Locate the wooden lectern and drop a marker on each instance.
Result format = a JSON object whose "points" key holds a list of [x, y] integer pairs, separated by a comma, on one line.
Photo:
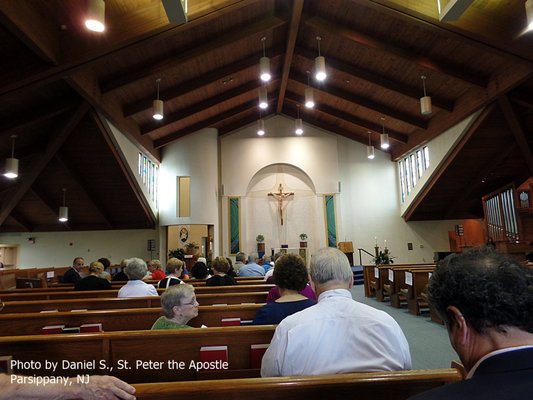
{"points": [[347, 248]]}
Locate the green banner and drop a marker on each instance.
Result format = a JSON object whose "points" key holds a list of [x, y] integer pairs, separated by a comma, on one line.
{"points": [[331, 226], [234, 225]]}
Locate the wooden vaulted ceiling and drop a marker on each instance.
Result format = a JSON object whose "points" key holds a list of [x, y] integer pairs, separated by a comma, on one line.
{"points": [[58, 81]]}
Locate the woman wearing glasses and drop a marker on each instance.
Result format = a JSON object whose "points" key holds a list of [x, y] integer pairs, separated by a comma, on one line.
{"points": [[179, 306]]}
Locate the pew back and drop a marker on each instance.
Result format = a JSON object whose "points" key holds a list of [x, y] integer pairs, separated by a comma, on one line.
{"points": [[397, 385]]}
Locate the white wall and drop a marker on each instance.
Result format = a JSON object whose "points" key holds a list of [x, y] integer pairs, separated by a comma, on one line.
{"points": [[60, 248]]}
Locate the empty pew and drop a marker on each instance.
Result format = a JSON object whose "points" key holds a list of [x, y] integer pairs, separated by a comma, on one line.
{"points": [[416, 280], [117, 320], [397, 385], [138, 356], [395, 282], [44, 294], [205, 299]]}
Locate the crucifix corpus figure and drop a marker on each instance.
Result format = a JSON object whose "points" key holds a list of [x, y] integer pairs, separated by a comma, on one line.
{"points": [[279, 196]]}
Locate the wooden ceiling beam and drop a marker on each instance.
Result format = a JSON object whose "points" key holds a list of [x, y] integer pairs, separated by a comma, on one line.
{"points": [[517, 130], [126, 170], [372, 77], [208, 123], [247, 120], [20, 220], [200, 107], [27, 24], [26, 181], [364, 102], [363, 124], [322, 25], [294, 25], [89, 195], [185, 88], [154, 70]]}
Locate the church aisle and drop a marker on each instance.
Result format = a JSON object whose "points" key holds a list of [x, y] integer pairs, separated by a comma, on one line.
{"points": [[428, 341]]}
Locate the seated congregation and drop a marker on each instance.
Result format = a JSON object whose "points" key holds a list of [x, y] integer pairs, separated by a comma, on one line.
{"points": [[489, 326]]}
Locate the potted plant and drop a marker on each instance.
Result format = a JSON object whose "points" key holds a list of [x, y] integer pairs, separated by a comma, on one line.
{"points": [[176, 253], [384, 257], [192, 247], [303, 240], [260, 239]]}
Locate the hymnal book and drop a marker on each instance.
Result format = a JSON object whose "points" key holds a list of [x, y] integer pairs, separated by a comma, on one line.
{"points": [[47, 311], [71, 329], [256, 354], [81, 309], [51, 329], [214, 353], [91, 328], [230, 322], [246, 322]]}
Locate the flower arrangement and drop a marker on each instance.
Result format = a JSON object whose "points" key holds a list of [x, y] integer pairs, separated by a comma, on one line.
{"points": [[176, 253], [192, 245], [384, 257], [303, 237], [260, 238]]}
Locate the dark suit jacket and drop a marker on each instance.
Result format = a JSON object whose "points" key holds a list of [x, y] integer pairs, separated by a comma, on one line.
{"points": [[505, 376], [71, 276]]}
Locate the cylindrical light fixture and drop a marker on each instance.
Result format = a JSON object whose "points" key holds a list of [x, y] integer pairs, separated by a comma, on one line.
{"points": [[529, 14], [63, 210], [425, 102], [264, 64], [309, 95], [158, 104], [298, 123], [384, 138], [95, 19], [320, 64], [261, 127], [263, 97], [12, 163], [370, 149]]}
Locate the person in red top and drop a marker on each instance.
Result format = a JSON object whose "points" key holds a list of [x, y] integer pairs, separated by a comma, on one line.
{"points": [[156, 270]]}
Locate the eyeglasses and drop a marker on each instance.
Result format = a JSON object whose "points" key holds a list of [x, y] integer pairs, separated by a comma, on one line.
{"points": [[192, 303]]}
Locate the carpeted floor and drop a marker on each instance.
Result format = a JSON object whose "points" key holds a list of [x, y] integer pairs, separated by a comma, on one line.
{"points": [[428, 341]]}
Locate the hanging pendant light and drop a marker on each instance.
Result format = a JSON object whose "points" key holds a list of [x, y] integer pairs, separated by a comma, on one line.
{"points": [[425, 102], [158, 104], [384, 138], [529, 14], [264, 64], [320, 64], [298, 123], [12, 163], [370, 149], [95, 19], [263, 98], [63, 210], [309, 95], [260, 127]]}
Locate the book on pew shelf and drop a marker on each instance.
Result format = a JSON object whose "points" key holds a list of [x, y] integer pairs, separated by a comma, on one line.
{"points": [[230, 322], [51, 329], [81, 309], [91, 328], [71, 329], [247, 322], [214, 353], [256, 354], [47, 311]]}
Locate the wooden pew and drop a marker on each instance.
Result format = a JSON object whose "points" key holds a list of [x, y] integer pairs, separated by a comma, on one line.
{"points": [[395, 282], [120, 350], [204, 299], [369, 280], [397, 385], [44, 294], [416, 280], [117, 320], [433, 314]]}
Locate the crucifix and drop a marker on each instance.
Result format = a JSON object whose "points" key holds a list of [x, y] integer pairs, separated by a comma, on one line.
{"points": [[279, 196]]}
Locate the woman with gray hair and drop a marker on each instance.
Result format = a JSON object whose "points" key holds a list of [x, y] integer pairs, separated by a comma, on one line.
{"points": [[179, 306], [135, 270]]}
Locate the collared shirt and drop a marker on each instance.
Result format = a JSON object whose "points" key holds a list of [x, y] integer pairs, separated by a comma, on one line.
{"points": [[337, 335], [252, 269], [137, 288]]}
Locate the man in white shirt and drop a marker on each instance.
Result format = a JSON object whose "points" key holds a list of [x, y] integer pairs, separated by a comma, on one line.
{"points": [[338, 334]]}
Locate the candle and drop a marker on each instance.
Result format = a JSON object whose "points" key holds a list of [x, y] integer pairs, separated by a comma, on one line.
{"points": [[385, 243], [376, 240]]}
